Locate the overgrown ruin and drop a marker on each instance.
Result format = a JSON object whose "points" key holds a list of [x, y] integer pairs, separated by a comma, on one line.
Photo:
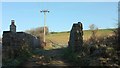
{"points": [[76, 37], [13, 42]]}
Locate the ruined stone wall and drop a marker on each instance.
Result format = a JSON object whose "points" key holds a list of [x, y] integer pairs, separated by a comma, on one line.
{"points": [[76, 37], [12, 42]]}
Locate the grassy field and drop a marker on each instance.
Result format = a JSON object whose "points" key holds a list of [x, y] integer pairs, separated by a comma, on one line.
{"points": [[62, 38]]}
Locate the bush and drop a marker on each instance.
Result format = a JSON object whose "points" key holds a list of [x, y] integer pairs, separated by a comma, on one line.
{"points": [[54, 32], [38, 31], [24, 52], [77, 58]]}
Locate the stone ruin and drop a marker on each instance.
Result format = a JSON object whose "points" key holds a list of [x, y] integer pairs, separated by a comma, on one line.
{"points": [[13, 41], [76, 37]]}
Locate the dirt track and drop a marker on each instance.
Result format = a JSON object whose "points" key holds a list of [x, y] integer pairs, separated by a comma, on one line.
{"points": [[47, 58]]}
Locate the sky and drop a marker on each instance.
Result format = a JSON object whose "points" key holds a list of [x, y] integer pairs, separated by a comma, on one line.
{"points": [[62, 15], [59, 0]]}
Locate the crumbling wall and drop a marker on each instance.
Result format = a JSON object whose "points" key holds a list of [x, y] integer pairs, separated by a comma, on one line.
{"points": [[13, 42], [76, 37]]}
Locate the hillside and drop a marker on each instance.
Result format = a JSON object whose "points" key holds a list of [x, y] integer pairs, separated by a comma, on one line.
{"points": [[63, 37]]}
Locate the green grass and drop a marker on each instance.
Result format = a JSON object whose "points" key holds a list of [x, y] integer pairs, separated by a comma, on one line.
{"points": [[63, 37], [100, 33]]}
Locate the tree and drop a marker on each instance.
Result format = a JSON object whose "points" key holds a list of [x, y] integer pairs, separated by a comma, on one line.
{"points": [[38, 31], [94, 30]]}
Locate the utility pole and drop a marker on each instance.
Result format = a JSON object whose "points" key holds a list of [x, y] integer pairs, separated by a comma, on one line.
{"points": [[44, 11]]}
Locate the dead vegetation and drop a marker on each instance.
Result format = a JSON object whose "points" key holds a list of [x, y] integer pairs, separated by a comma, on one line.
{"points": [[96, 51]]}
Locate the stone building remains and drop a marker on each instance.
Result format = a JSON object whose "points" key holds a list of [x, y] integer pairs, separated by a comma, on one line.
{"points": [[13, 41], [76, 37]]}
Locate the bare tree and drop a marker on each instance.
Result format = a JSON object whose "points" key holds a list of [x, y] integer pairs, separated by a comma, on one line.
{"points": [[38, 32], [94, 30]]}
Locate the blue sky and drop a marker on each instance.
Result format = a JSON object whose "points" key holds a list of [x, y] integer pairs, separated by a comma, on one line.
{"points": [[59, 0], [62, 14]]}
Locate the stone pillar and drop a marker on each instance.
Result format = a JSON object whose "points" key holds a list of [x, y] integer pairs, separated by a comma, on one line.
{"points": [[13, 26], [76, 37]]}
